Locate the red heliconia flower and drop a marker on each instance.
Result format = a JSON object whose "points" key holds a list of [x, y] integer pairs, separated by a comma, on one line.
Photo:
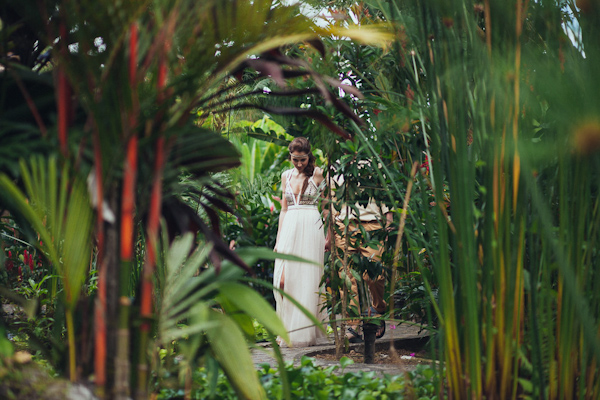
{"points": [[31, 262], [376, 111], [9, 263], [20, 272]]}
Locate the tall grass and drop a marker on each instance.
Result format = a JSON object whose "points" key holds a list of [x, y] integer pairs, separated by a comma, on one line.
{"points": [[505, 101]]}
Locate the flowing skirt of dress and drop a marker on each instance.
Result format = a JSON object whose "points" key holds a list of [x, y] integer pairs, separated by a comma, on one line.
{"points": [[301, 235]]}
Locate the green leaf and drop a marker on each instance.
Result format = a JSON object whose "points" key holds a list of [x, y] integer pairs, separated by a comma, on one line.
{"points": [[178, 252], [526, 384], [253, 304], [241, 319], [230, 350], [292, 300], [345, 361], [59, 210]]}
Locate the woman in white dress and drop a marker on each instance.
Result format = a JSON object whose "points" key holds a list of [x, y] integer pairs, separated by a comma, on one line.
{"points": [[300, 233]]}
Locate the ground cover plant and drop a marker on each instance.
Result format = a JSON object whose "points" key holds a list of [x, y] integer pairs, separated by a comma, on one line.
{"points": [[309, 381]]}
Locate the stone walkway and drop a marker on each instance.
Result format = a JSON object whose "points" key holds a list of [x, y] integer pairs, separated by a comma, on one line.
{"points": [[402, 333]]}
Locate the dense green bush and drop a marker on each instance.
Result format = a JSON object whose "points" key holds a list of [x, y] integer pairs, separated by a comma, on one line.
{"points": [[412, 300]]}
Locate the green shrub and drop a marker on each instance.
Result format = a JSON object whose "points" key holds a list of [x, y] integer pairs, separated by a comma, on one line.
{"points": [[308, 381]]}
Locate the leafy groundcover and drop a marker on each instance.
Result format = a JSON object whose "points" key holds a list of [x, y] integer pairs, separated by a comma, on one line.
{"points": [[308, 381]]}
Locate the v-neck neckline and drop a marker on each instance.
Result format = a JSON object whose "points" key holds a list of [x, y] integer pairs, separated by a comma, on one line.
{"points": [[294, 196]]}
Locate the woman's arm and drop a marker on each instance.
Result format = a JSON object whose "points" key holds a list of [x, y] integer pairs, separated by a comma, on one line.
{"points": [[284, 207]]}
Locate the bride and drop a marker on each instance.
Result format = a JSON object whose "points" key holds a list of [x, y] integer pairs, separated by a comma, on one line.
{"points": [[300, 233]]}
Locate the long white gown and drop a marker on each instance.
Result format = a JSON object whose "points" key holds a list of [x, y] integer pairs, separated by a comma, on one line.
{"points": [[301, 235]]}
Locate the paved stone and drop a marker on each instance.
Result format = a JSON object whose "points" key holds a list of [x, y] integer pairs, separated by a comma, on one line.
{"points": [[264, 354]]}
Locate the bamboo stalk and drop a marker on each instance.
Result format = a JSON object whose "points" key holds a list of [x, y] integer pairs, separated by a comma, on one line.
{"points": [[398, 246], [149, 266], [122, 367], [152, 228], [101, 302], [71, 341]]}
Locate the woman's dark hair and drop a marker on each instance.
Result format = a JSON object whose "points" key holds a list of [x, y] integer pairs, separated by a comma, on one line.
{"points": [[301, 145]]}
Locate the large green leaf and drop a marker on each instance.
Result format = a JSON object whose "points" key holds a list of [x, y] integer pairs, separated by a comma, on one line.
{"points": [[180, 291], [229, 347], [253, 304], [59, 210], [189, 298]]}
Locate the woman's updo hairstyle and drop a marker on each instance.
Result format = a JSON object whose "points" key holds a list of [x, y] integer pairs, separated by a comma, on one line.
{"points": [[301, 145]]}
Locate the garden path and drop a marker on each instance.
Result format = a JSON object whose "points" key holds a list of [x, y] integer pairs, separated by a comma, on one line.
{"points": [[401, 334]]}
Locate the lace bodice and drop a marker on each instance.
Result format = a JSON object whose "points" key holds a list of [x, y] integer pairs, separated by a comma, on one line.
{"points": [[310, 195]]}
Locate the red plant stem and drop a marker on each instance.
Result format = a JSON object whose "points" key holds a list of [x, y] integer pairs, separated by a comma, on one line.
{"points": [[149, 266], [133, 54], [64, 98], [100, 306], [122, 361], [155, 200], [128, 205], [162, 80], [153, 224], [100, 333], [152, 238], [30, 104]]}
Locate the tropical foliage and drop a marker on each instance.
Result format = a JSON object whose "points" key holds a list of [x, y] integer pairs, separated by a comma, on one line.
{"points": [[485, 132], [486, 91], [311, 382], [479, 123], [130, 80]]}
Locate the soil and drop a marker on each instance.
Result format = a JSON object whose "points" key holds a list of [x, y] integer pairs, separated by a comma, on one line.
{"points": [[381, 357], [407, 352]]}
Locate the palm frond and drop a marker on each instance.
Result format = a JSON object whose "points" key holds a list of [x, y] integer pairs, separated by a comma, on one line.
{"points": [[58, 208]]}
